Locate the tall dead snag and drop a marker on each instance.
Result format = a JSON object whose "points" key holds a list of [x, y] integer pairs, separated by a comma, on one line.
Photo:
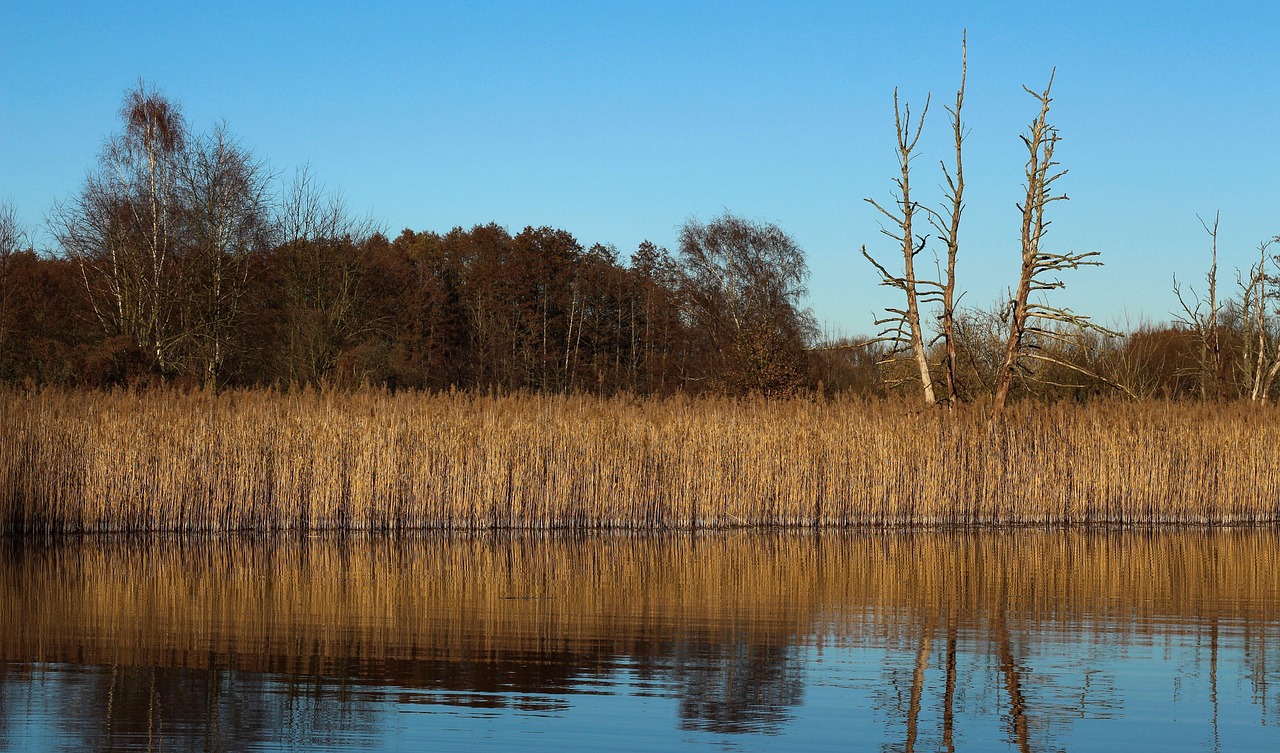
{"points": [[904, 331], [1262, 343], [1205, 323], [902, 328], [948, 225], [1032, 324]]}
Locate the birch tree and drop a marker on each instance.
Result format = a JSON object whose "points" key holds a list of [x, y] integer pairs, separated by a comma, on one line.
{"points": [[744, 284], [123, 227], [228, 211]]}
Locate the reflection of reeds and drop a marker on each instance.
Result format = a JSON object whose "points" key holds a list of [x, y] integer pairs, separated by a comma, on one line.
{"points": [[86, 461], [284, 603]]}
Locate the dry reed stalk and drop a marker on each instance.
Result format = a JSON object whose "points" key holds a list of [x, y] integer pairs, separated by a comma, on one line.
{"points": [[370, 460]]}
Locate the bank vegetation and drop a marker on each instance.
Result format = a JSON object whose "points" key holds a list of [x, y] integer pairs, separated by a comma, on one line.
{"points": [[306, 460]]}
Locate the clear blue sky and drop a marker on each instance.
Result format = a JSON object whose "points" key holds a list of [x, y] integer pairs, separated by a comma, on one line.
{"points": [[619, 121]]}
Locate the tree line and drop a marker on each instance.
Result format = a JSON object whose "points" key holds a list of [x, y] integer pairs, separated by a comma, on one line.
{"points": [[184, 259], [179, 260]]}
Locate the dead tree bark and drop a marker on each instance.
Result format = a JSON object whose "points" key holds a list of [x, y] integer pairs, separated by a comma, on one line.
{"points": [[1257, 294], [1031, 323], [903, 328], [1213, 340], [948, 225]]}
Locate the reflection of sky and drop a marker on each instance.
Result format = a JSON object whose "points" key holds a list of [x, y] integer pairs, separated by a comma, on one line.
{"points": [[1085, 689]]}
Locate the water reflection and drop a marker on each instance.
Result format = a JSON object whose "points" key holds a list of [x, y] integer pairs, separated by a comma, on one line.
{"points": [[1023, 640]]}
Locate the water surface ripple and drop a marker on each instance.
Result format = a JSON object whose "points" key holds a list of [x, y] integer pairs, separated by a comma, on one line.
{"points": [[1023, 640]]}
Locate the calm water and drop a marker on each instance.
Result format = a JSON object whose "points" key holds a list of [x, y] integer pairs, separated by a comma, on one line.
{"points": [[1015, 640]]}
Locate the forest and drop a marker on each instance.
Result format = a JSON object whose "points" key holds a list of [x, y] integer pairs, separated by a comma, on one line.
{"points": [[185, 260]]}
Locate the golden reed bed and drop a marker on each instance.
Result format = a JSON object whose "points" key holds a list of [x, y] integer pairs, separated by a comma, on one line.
{"points": [[259, 460]]}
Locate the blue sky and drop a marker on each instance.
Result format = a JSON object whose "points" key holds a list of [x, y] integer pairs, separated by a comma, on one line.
{"points": [[619, 121]]}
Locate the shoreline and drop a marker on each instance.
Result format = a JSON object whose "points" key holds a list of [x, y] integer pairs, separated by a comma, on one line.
{"points": [[263, 461]]}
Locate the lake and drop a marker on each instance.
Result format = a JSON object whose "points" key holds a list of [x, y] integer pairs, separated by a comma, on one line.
{"points": [[1017, 639]]}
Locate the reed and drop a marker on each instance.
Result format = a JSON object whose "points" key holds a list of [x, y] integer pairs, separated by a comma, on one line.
{"points": [[80, 461]]}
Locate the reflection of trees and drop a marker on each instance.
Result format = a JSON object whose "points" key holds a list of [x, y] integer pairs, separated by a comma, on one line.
{"points": [[6, 692], [736, 686], [1012, 671], [1259, 674], [949, 694], [153, 708], [938, 680], [917, 690], [972, 626]]}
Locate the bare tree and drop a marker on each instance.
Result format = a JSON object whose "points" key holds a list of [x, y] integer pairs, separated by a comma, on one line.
{"points": [[1205, 323], [980, 338], [1261, 362], [902, 328], [948, 225], [122, 228], [1142, 364], [13, 239], [226, 195], [1031, 323], [12, 235], [323, 285], [310, 213], [745, 282]]}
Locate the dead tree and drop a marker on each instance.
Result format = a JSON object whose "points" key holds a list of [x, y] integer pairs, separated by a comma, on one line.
{"points": [[1030, 323], [1262, 346], [948, 225], [902, 328], [1205, 323]]}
